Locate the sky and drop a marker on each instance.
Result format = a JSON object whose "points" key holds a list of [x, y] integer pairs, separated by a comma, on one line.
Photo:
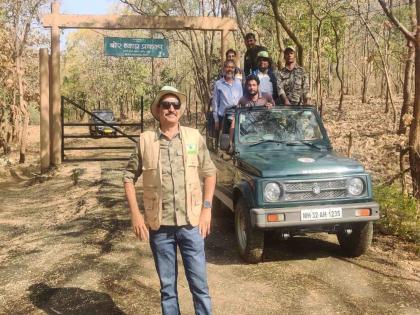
{"points": [[84, 7]]}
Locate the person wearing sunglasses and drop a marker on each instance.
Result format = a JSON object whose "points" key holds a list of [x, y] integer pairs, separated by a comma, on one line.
{"points": [[176, 211]]}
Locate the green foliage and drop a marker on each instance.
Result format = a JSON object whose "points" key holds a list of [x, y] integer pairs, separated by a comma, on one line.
{"points": [[400, 212], [91, 78], [34, 116]]}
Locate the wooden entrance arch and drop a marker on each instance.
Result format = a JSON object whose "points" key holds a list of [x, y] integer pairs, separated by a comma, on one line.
{"points": [[51, 127]]}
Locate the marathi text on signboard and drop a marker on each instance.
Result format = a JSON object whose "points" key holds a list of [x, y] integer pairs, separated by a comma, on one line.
{"points": [[136, 47]]}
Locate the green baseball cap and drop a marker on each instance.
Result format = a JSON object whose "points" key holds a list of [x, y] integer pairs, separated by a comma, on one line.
{"points": [[263, 55]]}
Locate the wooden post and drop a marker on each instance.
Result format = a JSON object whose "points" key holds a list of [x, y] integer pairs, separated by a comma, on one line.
{"points": [[55, 86], [142, 113], [50, 107], [44, 109], [223, 46]]}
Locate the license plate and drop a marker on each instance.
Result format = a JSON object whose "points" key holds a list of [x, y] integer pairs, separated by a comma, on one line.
{"points": [[107, 130], [321, 214]]}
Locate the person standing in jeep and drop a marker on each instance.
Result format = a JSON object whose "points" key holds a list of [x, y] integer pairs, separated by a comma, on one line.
{"points": [[250, 58], [177, 213], [292, 80]]}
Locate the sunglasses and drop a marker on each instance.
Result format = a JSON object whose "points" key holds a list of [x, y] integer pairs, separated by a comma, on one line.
{"points": [[167, 105]]}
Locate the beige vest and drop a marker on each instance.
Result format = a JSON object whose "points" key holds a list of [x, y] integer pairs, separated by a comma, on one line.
{"points": [[152, 176]]}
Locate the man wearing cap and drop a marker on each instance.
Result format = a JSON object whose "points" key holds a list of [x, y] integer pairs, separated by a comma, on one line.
{"points": [[268, 80], [293, 84], [250, 57], [177, 212]]}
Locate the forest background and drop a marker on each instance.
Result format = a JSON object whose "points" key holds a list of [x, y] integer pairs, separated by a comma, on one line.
{"points": [[359, 54]]}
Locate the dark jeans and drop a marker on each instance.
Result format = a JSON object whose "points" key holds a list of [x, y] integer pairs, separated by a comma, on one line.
{"points": [[164, 243]]}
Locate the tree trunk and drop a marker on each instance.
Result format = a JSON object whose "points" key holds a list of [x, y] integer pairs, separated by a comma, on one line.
{"points": [[311, 52], [288, 30], [281, 47], [384, 65], [23, 110], [408, 74], [365, 69], [414, 139], [337, 68], [408, 77], [318, 79], [387, 36], [238, 17]]}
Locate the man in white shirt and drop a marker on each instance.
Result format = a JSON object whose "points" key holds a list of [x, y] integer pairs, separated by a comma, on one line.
{"points": [[268, 80]]}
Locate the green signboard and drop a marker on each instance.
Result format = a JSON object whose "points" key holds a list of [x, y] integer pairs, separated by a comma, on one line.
{"points": [[136, 47]]}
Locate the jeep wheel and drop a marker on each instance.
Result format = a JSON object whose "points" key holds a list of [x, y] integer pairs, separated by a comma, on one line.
{"points": [[358, 242], [250, 240]]}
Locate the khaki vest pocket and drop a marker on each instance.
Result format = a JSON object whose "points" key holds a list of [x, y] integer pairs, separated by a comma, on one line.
{"points": [[151, 205], [196, 201]]}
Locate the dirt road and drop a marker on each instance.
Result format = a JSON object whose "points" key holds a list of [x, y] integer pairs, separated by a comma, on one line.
{"points": [[69, 249]]}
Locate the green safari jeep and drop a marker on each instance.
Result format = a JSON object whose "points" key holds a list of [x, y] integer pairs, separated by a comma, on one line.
{"points": [[282, 174]]}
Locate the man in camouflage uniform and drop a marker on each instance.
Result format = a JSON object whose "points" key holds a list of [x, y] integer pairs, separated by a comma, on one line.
{"points": [[293, 84]]}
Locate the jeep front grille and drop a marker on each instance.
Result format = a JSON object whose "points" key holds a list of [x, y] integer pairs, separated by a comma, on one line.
{"points": [[315, 190]]}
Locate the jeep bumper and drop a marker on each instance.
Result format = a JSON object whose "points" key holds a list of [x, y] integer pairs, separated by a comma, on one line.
{"points": [[295, 216]]}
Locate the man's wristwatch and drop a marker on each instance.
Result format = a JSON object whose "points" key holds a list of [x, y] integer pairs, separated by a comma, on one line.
{"points": [[207, 204]]}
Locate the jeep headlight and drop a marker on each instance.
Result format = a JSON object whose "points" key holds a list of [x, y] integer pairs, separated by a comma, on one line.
{"points": [[272, 192], [356, 186]]}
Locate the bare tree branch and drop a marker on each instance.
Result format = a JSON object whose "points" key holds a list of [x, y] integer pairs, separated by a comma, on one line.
{"points": [[288, 30], [408, 35]]}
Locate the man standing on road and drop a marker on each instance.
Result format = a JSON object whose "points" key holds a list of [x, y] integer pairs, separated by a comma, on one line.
{"points": [[268, 80], [176, 212], [226, 94], [293, 84], [250, 58]]}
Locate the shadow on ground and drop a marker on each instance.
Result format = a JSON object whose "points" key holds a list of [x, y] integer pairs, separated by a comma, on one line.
{"points": [[221, 247], [74, 301]]}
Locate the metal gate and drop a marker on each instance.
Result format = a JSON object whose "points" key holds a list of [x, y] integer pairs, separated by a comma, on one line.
{"points": [[118, 134]]}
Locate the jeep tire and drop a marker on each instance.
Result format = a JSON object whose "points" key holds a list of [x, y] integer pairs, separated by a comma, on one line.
{"points": [[250, 240], [358, 242]]}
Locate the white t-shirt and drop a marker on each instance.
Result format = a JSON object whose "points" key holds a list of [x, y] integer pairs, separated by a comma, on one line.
{"points": [[265, 84]]}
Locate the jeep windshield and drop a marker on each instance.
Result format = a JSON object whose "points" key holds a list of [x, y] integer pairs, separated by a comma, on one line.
{"points": [[107, 116], [288, 126]]}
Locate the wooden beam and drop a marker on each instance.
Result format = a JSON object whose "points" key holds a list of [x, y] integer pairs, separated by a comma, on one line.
{"points": [[139, 22]]}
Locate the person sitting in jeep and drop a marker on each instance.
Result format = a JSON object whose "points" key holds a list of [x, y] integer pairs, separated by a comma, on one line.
{"points": [[253, 98]]}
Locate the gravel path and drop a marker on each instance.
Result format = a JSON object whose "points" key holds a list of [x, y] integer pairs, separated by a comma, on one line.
{"points": [[69, 249]]}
